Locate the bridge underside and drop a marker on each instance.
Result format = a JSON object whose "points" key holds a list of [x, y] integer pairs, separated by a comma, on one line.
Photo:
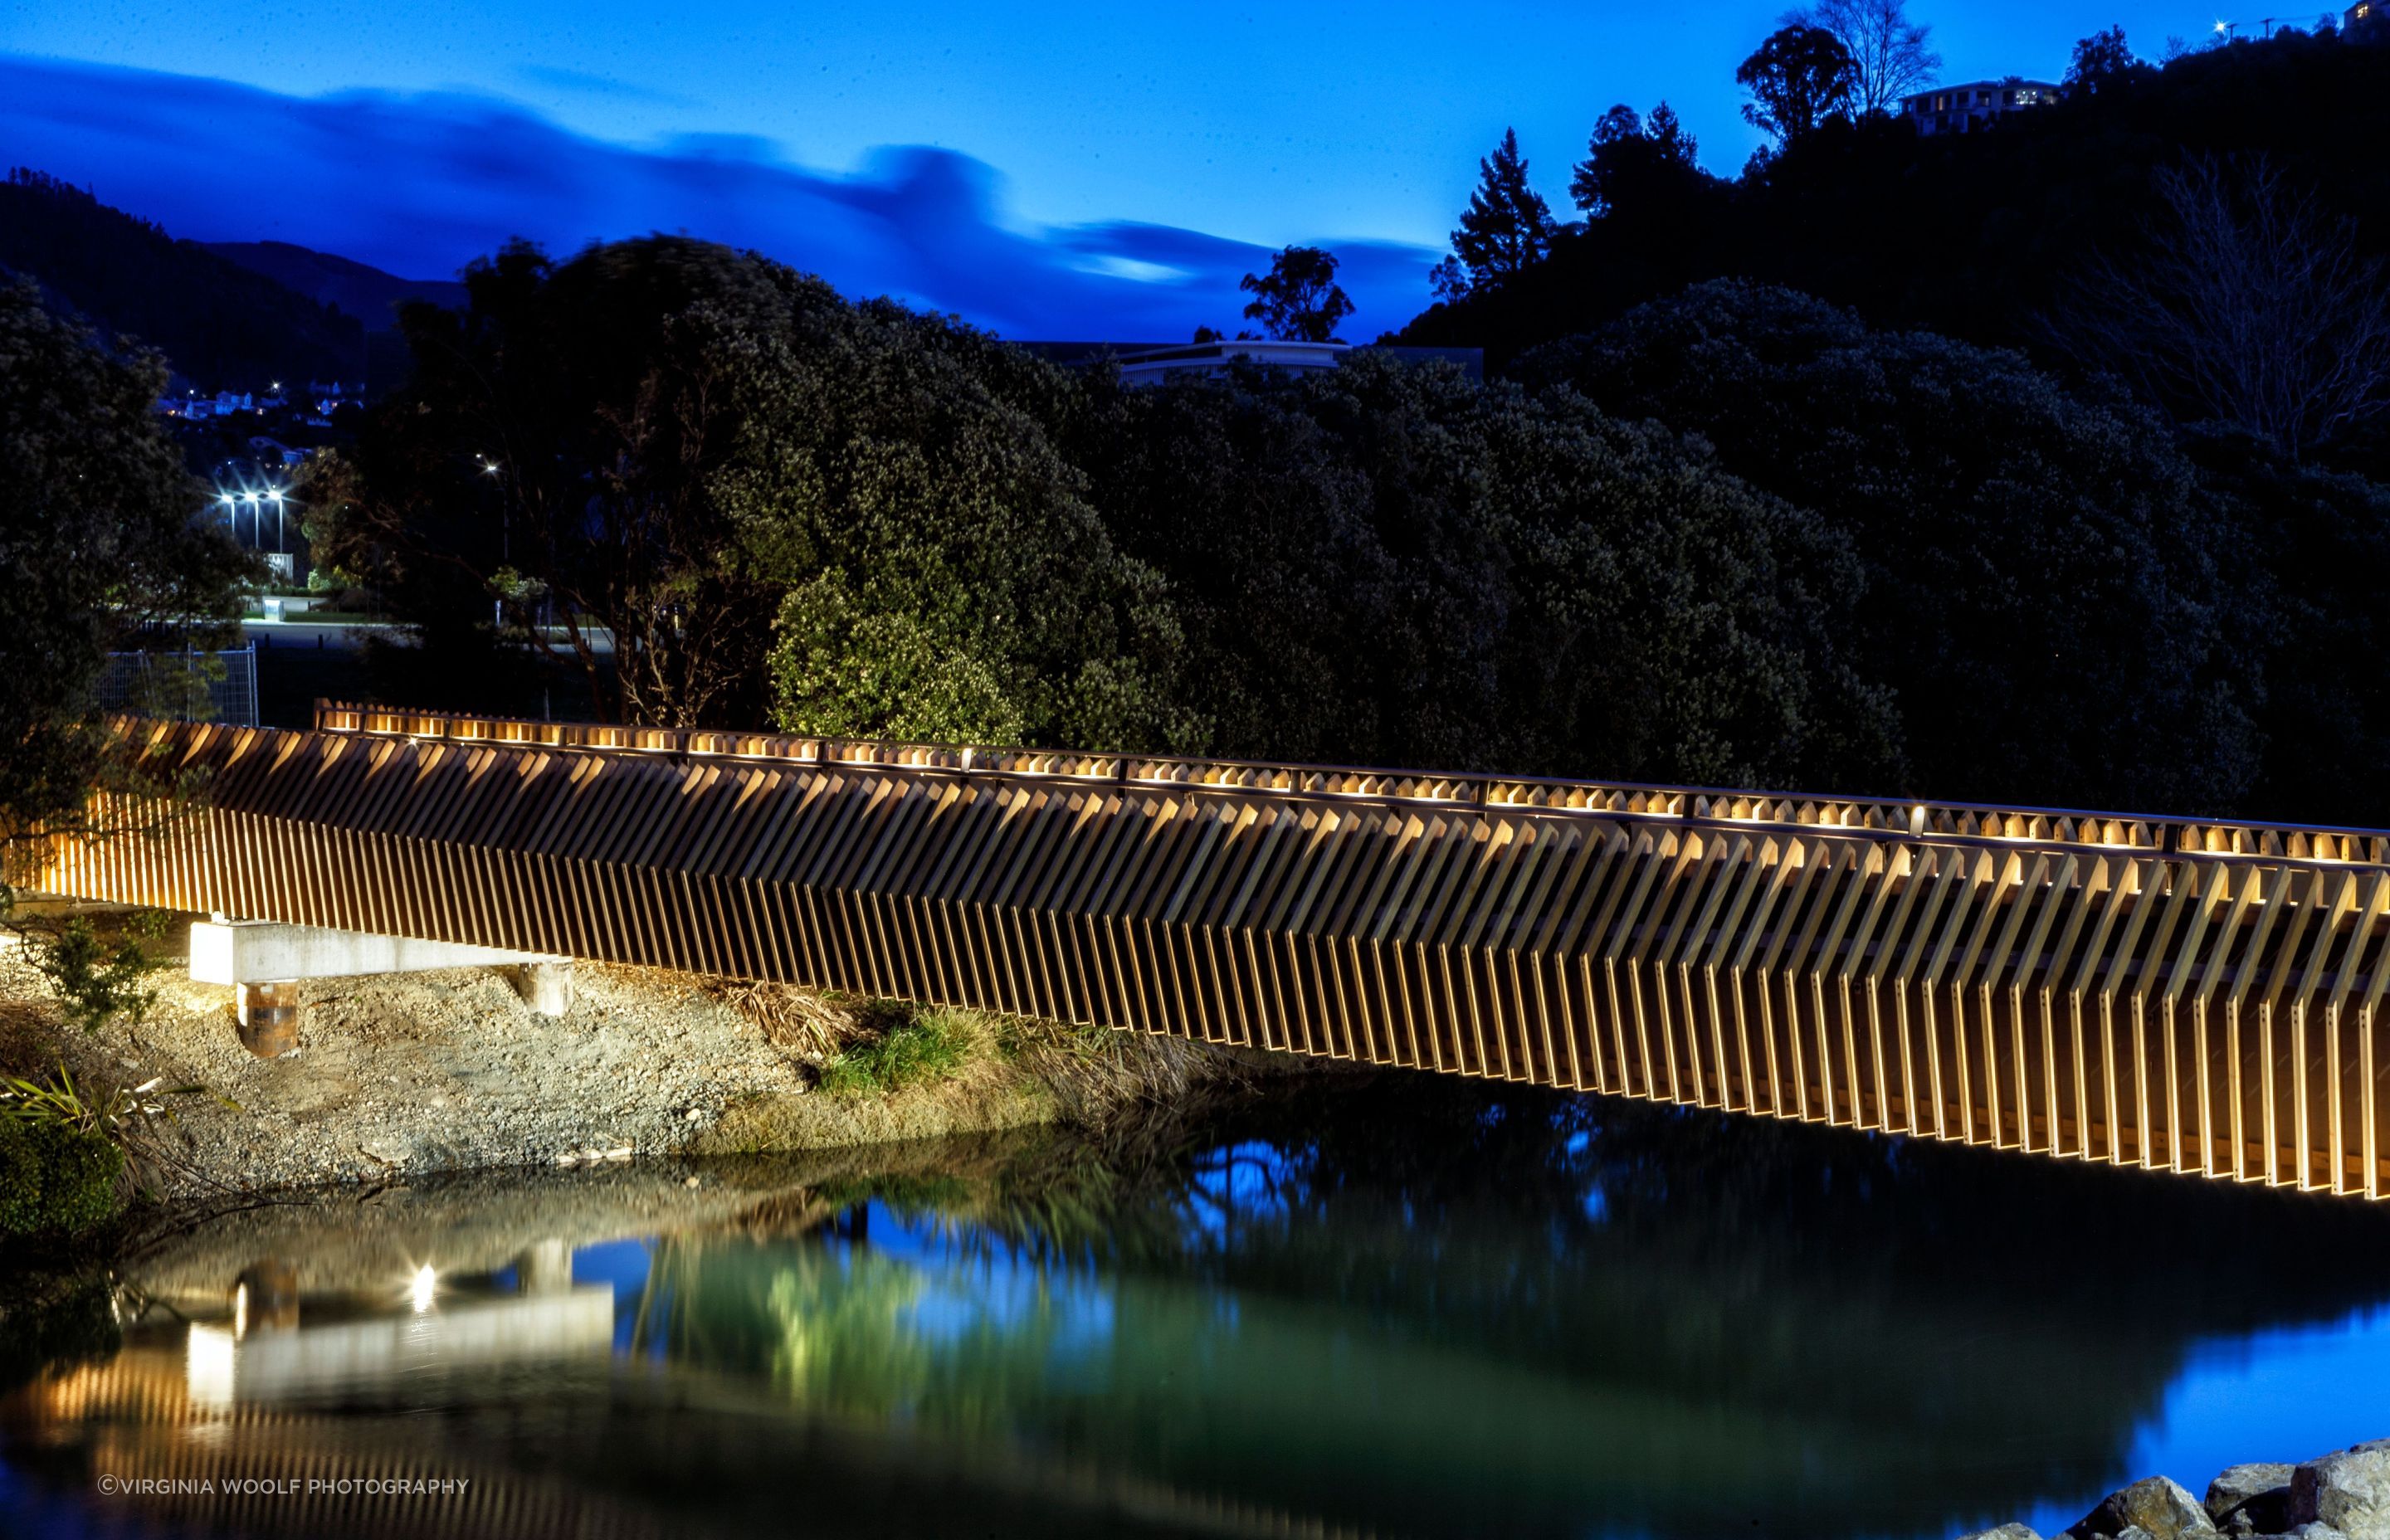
{"points": [[2192, 997]]}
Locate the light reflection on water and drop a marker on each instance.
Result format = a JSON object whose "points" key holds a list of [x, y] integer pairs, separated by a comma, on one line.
{"points": [[1398, 1309]]}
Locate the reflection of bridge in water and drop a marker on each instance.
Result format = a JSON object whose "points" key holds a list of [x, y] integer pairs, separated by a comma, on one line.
{"points": [[2184, 995]]}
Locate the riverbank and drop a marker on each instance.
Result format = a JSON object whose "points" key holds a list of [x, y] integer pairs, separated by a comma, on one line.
{"points": [[412, 1074], [2343, 1495]]}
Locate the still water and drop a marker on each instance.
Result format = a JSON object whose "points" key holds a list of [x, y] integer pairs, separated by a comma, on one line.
{"points": [[1399, 1308]]}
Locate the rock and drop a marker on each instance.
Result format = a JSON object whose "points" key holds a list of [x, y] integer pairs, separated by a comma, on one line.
{"points": [[389, 1151], [2158, 1505], [2349, 1490], [2251, 1499], [2006, 1532]]}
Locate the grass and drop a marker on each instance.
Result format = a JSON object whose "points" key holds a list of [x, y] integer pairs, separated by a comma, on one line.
{"points": [[904, 1048], [859, 1048]]}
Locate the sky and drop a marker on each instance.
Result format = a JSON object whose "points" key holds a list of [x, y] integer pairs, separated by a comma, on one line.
{"points": [[1060, 170]]}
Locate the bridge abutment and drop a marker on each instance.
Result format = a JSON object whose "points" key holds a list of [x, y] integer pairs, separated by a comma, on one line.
{"points": [[264, 962]]}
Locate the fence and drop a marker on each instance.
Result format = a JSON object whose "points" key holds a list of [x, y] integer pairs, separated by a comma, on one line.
{"points": [[183, 686]]}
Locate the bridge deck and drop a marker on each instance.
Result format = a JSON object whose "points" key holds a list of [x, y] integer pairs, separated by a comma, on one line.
{"points": [[2185, 996]]}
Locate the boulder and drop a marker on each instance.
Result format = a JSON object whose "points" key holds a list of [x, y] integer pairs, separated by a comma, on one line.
{"points": [[2006, 1532], [2251, 1499], [2349, 1490], [2158, 1505]]}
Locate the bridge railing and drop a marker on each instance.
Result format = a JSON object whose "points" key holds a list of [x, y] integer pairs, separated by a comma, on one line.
{"points": [[2036, 826]]}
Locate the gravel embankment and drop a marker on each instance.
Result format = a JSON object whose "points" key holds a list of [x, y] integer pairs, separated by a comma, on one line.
{"points": [[444, 1070]]}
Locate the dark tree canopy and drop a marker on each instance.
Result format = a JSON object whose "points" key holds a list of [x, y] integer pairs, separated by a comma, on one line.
{"points": [[1638, 163], [1298, 300], [104, 545], [725, 494], [1507, 227], [1800, 77], [2101, 61], [2043, 592], [1389, 564]]}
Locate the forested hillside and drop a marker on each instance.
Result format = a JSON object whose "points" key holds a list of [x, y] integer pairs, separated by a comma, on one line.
{"points": [[1983, 236], [221, 326]]}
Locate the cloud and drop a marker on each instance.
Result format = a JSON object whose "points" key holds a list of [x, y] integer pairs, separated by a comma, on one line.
{"points": [[418, 185], [582, 82]]}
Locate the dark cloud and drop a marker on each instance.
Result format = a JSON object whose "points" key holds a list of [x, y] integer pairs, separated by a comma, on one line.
{"points": [[419, 185]]}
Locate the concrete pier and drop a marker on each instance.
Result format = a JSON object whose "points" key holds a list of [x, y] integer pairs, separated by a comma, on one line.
{"points": [[263, 961]]}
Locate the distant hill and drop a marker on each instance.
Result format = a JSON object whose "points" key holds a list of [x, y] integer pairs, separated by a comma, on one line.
{"points": [[368, 294], [216, 321], [221, 324]]}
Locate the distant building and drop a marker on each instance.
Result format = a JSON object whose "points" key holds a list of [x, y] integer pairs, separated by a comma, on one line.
{"points": [[2366, 22], [270, 452], [1977, 105], [1151, 363]]}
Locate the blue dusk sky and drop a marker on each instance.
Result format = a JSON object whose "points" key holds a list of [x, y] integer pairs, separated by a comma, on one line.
{"points": [[1064, 170]]}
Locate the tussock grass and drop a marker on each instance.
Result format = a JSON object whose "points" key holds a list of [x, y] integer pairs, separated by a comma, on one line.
{"points": [[1096, 1074], [908, 1049], [1093, 1076]]}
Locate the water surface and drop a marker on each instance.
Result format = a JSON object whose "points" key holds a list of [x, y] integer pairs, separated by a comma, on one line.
{"points": [[1403, 1308]]}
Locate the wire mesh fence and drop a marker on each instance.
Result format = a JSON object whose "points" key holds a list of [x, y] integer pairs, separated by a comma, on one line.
{"points": [[183, 686]]}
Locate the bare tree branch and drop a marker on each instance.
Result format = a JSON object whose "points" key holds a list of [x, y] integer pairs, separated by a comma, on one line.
{"points": [[1891, 53], [2245, 303]]}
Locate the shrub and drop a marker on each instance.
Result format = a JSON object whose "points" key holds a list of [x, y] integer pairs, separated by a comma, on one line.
{"points": [[98, 980], [56, 1178], [910, 1051]]}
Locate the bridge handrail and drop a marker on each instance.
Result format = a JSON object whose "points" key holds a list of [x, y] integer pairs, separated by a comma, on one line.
{"points": [[2040, 826]]}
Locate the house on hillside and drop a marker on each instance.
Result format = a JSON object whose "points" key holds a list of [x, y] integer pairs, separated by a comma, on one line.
{"points": [[2366, 22], [1978, 105], [1153, 363]]}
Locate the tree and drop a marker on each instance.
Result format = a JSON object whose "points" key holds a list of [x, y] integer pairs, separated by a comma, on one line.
{"points": [[1507, 227], [1390, 564], [544, 491], [1798, 78], [2101, 62], [1890, 56], [1667, 134], [2243, 302], [940, 572], [2314, 551], [2044, 587], [733, 496], [1299, 299], [1447, 283], [1629, 160], [104, 546]]}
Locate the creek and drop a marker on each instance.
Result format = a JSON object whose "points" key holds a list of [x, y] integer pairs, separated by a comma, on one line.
{"points": [[1398, 1307]]}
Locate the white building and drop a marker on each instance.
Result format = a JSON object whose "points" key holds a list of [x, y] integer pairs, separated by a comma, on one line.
{"points": [[1976, 105]]}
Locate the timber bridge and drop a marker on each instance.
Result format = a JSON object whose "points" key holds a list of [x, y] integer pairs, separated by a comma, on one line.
{"points": [[2195, 997]]}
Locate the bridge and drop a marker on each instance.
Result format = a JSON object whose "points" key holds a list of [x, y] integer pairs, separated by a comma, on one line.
{"points": [[2193, 996]]}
